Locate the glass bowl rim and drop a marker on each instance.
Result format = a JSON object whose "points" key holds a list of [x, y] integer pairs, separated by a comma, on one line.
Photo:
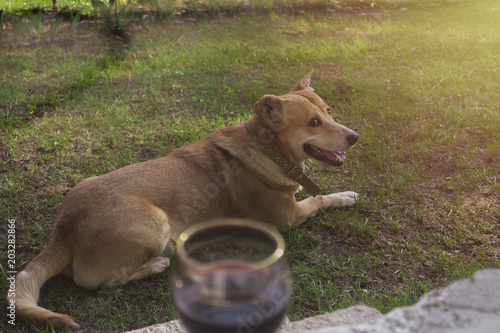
{"points": [[266, 229]]}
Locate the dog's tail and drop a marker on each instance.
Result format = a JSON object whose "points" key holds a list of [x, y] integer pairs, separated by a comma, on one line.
{"points": [[53, 259]]}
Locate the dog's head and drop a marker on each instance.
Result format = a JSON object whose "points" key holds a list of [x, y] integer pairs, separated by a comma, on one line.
{"points": [[303, 127]]}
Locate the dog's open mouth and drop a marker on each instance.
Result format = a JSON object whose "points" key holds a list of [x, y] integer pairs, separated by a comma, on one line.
{"points": [[335, 158]]}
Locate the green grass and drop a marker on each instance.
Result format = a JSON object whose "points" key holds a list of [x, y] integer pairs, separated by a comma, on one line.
{"points": [[14, 5], [419, 80]]}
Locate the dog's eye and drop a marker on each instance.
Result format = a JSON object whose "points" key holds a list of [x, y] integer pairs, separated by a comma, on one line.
{"points": [[329, 111], [314, 123]]}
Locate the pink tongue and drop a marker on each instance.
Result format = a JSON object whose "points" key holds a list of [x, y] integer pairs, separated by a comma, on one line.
{"points": [[336, 156]]}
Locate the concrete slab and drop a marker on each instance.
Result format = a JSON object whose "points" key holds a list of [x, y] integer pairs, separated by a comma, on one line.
{"points": [[470, 305], [467, 306], [353, 315]]}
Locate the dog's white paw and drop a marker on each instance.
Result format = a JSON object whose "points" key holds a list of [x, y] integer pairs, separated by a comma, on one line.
{"points": [[159, 264], [349, 198], [343, 199]]}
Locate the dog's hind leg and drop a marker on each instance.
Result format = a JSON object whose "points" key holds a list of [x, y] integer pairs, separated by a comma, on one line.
{"points": [[125, 247], [309, 206]]}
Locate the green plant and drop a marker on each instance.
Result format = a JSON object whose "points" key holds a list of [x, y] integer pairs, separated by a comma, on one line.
{"points": [[1, 24], [106, 10], [257, 5], [214, 6], [36, 21], [54, 26], [123, 15], [18, 27], [193, 6], [73, 17], [164, 9]]}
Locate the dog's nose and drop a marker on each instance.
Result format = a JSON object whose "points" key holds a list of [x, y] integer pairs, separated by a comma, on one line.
{"points": [[352, 138]]}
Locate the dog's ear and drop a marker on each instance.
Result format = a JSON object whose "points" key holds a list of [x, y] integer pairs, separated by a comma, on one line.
{"points": [[305, 82], [269, 109]]}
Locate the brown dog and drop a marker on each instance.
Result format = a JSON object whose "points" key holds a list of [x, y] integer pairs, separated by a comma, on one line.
{"points": [[113, 228]]}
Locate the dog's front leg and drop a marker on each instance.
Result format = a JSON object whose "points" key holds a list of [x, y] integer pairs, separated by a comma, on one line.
{"points": [[309, 206]]}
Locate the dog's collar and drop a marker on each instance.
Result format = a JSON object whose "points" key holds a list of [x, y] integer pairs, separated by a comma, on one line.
{"points": [[294, 172]]}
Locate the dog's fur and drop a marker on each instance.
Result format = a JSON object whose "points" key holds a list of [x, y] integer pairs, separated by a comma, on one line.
{"points": [[114, 228]]}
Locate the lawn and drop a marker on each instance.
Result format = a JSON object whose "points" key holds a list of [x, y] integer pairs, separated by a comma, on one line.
{"points": [[418, 80]]}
